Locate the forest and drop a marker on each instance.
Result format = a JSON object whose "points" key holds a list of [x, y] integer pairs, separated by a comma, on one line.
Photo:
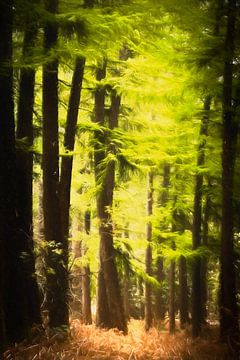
{"points": [[119, 179]]}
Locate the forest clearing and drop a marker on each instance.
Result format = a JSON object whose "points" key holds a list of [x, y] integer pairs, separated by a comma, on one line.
{"points": [[119, 179]]}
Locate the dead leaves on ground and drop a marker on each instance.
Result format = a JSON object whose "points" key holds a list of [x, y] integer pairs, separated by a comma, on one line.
{"points": [[88, 342]]}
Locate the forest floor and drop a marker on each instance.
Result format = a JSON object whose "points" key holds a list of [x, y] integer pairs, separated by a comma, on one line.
{"points": [[87, 342]]}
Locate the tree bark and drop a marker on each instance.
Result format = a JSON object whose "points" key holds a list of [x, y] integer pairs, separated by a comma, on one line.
{"points": [[204, 265], [13, 313], [126, 291], [24, 161], [103, 314], [148, 287], [183, 292], [197, 228], [56, 272], [69, 141], [228, 306], [108, 271], [86, 288], [160, 305], [172, 310]]}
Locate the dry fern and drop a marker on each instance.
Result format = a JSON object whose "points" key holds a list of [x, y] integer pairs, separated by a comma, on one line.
{"points": [[88, 342]]}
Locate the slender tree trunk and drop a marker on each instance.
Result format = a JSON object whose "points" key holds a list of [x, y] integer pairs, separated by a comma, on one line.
{"points": [[141, 295], [183, 292], [196, 229], [76, 273], [172, 309], [148, 287], [56, 272], [126, 291], [126, 280], [108, 270], [103, 313], [204, 265], [86, 288], [105, 200], [24, 161], [69, 141], [228, 306], [160, 307]]}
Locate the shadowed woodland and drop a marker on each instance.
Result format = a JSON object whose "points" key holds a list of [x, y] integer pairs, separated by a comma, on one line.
{"points": [[119, 179]]}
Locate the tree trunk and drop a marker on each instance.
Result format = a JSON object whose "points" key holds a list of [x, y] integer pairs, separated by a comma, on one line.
{"points": [[204, 265], [86, 285], [24, 161], [183, 292], [160, 305], [126, 290], [56, 272], [228, 306], [196, 229], [13, 306], [69, 141], [148, 287], [103, 313], [108, 271], [172, 309], [103, 318], [105, 200]]}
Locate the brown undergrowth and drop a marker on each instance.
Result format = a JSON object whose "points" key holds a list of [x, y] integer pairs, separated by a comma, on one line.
{"points": [[87, 342]]}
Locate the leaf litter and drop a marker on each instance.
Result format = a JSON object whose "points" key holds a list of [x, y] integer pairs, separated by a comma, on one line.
{"points": [[86, 342]]}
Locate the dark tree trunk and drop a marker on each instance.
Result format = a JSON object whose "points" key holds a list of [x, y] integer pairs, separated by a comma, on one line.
{"points": [[13, 307], [160, 305], [103, 314], [204, 265], [183, 292], [197, 227], [103, 318], [86, 285], [228, 306], [148, 287], [172, 309], [126, 281], [6, 149], [69, 141], [104, 202], [56, 272], [24, 161], [126, 291], [141, 295]]}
